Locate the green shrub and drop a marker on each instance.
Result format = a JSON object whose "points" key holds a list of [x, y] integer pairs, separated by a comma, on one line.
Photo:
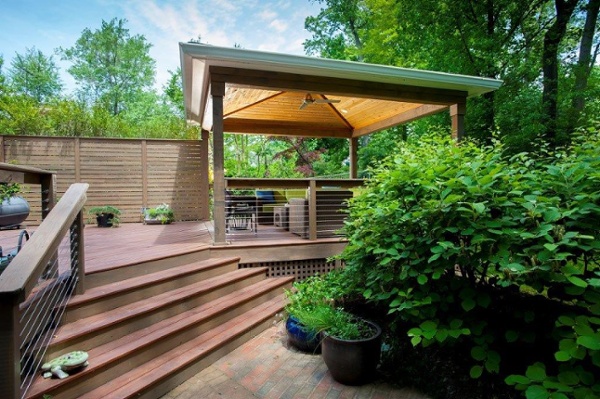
{"points": [[469, 246]]}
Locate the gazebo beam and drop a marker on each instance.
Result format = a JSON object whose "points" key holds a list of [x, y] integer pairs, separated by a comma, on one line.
{"points": [[409, 116], [280, 128], [337, 86]]}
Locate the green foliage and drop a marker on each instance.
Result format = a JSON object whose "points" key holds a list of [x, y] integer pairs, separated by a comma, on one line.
{"points": [[8, 190], [314, 302], [470, 246], [110, 65], [338, 29], [485, 38], [35, 75], [163, 213]]}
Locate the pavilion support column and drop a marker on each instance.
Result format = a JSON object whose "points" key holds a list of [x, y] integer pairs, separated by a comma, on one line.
{"points": [[457, 114], [353, 157], [217, 92], [204, 171]]}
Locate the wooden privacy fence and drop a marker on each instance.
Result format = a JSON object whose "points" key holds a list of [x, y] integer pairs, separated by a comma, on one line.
{"points": [[127, 173]]}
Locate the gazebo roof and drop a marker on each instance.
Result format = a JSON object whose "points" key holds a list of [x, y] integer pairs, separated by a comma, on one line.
{"points": [[280, 94]]}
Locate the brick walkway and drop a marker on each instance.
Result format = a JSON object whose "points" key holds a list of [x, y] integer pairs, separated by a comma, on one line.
{"points": [[266, 368]]}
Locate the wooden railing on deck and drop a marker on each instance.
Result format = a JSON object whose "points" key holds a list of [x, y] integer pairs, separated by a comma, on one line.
{"points": [[34, 289], [10, 173], [313, 187]]}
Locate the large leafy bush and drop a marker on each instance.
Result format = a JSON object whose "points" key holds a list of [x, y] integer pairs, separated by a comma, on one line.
{"points": [[469, 246]]}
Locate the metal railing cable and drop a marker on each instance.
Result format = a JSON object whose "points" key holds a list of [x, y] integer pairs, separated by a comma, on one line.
{"points": [[34, 290], [42, 313]]}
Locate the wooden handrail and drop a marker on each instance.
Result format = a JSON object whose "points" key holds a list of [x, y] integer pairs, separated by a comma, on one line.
{"points": [[250, 183], [20, 278]]}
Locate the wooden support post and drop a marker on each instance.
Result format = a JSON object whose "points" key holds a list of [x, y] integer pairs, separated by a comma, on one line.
{"points": [[312, 210], [204, 176], [457, 113], [2, 159], [144, 150], [217, 92], [353, 157], [77, 160], [10, 373]]}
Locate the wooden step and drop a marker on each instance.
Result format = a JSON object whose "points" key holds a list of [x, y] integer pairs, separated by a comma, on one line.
{"points": [[154, 263], [167, 371], [113, 359], [90, 332], [111, 296]]}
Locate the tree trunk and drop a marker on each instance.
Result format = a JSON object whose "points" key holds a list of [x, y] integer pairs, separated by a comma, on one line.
{"points": [[585, 62], [552, 39]]}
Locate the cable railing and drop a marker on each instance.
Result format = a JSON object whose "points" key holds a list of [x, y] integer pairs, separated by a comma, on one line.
{"points": [[34, 289], [280, 209]]}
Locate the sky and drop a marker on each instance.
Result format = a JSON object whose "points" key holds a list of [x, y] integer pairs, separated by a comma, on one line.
{"points": [[266, 25]]}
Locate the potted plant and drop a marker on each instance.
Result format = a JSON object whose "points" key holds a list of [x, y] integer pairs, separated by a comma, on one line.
{"points": [[13, 209], [301, 300], [162, 214], [106, 216], [350, 345]]}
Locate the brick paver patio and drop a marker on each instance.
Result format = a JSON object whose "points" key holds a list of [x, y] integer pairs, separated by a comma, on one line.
{"points": [[266, 367]]}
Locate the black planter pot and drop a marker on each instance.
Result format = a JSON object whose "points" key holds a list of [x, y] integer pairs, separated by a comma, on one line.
{"points": [[300, 338], [105, 219], [352, 362]]}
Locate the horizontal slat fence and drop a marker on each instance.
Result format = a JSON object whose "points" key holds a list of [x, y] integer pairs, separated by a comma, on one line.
{"points": [[127, 173]]}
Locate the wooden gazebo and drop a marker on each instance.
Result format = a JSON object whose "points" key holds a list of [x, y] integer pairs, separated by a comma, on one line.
{"points": [[243, 91]]}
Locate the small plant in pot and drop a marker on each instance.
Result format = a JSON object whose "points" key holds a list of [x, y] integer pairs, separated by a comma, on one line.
{"points": [[351, 346], [162, 214], [13, 208], [106, 216]]}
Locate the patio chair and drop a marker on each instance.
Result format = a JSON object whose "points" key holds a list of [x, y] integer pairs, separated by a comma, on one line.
{"points": [[240, 212]]}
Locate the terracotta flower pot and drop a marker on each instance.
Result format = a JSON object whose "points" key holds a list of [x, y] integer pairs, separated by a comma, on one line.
{"points": [[352, 362]]}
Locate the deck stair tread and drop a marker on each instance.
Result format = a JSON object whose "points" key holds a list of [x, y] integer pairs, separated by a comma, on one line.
{"points": [[140, 379], [107, 354], [98, 293], [112, 317]]}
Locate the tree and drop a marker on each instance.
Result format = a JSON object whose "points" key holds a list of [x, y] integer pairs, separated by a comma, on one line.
{"points": [[550, 65], [586, 59], [35, 75], [110, 65], [337, 30], [174, 92]]}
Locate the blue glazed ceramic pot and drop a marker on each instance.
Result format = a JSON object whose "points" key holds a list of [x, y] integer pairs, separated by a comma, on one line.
{"points": [[300, 338]]}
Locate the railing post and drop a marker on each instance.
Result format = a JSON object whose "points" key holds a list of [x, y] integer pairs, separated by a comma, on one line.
{"points": [[312, 210], [48, 192], [77, 253], [10, 370]]}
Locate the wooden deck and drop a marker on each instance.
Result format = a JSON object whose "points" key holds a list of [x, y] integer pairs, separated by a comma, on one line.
{"points": [[135, 242]]}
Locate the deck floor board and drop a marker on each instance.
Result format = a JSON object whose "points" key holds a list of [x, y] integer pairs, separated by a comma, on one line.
{"points": [[136, 242]]}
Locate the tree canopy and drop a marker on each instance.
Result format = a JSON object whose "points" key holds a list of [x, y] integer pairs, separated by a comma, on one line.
{"points": [[531, 46], [110, 65], [35, 75]]}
